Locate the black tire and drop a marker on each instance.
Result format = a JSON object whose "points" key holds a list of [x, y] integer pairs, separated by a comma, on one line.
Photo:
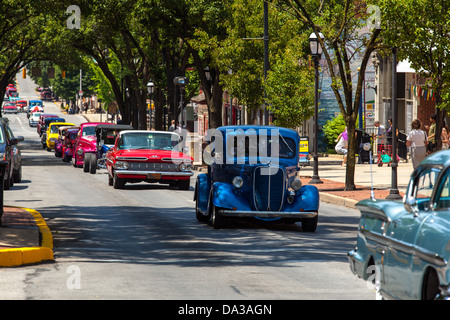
{"points": [[93, 164], [118, 183], [184, 184], [110, 180], [430, 285], [86, 162], [310, 224], [217, 220], [7, 184], [200, 216], [17, 175]]}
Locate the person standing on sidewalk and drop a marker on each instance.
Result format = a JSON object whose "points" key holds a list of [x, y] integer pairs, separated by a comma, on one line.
{"points": [[417, 140], [432, 135], [380, 137]]}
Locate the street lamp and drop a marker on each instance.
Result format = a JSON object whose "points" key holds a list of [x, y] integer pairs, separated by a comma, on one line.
{"points": [[181, 82], [150, 90], [316, 52]]}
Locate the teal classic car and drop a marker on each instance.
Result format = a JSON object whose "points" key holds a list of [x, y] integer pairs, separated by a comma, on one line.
{"points": [[404, 247]]}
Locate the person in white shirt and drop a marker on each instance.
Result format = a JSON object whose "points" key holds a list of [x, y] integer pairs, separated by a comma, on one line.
{"points": [[342, 145], [417, 140]]}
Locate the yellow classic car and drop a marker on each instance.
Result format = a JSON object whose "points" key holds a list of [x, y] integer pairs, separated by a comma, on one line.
{"points": [[52, 133]]}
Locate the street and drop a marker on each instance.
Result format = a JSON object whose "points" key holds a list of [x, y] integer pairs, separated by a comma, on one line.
{"points": [[144, 242]]}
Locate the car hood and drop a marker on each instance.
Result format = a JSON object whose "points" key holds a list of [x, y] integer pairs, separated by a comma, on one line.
{"points": [[153, 155]]}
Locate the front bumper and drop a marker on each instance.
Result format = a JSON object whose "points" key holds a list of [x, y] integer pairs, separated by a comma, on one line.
{"points": [[153, 174], [269, 214]]}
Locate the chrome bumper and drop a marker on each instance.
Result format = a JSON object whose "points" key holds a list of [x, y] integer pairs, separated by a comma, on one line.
{"points": [[161, 173], [268, 214]]}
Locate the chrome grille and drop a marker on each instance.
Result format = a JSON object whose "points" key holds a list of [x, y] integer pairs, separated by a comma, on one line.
{"points": [[268, 189], [152, 166]]}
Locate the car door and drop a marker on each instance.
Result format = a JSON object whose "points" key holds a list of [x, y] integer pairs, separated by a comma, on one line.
{"points": [[402, 233]]}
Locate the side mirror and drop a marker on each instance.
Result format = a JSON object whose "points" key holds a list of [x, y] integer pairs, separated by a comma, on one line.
{"points": [[410, 204]]}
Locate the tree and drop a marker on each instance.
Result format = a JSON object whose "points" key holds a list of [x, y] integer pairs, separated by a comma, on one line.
{"points": [[420, 30], [340, 22]]}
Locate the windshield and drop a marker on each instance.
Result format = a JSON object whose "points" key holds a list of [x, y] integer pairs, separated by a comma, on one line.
{"points": [[88, 131], [252, 146], [144, 140], [54, 128]]}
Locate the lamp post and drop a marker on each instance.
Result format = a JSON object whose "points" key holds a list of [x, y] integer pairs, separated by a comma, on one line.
{"points": [[393, 192], [150, 90], [181, 82], [316, 52]]}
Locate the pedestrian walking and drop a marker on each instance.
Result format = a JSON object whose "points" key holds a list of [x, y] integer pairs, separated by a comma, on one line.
{"points": [[417, 140], [342, 145]]}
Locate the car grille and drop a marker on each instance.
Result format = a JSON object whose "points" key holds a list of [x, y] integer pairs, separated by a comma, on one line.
{"points": [[152, 166], [268, 189]]}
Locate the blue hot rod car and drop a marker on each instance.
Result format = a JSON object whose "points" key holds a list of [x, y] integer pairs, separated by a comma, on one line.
{"points": [[407, 245], [252, 172]]}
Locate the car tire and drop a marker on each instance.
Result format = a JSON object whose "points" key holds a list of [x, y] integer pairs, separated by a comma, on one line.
{"points": [[217, 220], [93, 164], [17, 176], [118, 183], [7, 184], [86, 162], [310, 224], [184, 184], [200, 216], [110, 180]]}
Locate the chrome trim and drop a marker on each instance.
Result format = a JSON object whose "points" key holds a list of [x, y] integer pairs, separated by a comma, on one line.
{"points": [[269, 166], [405, 247], [268, 214], [162, 173], [131, 158]]}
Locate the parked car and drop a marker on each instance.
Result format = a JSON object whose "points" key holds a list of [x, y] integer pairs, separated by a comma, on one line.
{"points": [[34, 119], [252, 173], [60, 140], [84, 143], [69, 141], [41, 121], [44, 129], [105, 137], [52, 133], [150, 156], [10, 152], [407, 244], [9, 107]]}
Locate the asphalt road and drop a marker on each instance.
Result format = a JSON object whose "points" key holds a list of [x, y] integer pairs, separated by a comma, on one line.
{"points": [[144, 242]]}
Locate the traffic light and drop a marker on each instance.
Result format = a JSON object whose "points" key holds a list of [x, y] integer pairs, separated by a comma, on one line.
{"points": [[24, 73], [63, 74]]}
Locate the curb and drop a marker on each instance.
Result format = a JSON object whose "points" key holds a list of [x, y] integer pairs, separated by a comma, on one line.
{"points": [[337, 200], [28, 255]]}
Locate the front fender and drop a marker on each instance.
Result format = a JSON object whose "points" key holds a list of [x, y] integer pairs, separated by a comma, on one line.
{"points": [[226, 196], [306, 199], [202, 189]]}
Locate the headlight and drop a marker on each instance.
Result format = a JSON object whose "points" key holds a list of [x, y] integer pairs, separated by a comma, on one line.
{"points": [[121, 165], [185, 167], [2, 156], [296, 184], [80, 152], [238, 182]]}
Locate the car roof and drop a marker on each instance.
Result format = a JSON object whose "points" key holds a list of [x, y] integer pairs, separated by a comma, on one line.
{"points": [[441, 158], [113, 126], [61, 124], [146, 131]]}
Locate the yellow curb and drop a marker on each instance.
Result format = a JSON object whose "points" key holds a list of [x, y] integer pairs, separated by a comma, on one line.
{"points": [[22, 256]]}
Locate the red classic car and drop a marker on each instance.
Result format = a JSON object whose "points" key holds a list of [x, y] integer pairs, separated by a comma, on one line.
{"points": [[67, 146], [41, 121], [150, 156], [86, 142]]}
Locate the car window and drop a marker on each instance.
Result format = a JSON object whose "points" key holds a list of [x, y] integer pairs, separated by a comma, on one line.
{"points": [[443, 199], [88, 131], [425, 183]]}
